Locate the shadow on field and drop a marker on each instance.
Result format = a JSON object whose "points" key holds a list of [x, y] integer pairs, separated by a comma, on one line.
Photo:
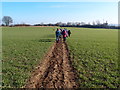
{"points": [[46, 40], [49, 36]]}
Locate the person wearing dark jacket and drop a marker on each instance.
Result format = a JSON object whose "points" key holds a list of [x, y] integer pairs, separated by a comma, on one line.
{"points": [[65, 34], [69, 32], [58, 34]]}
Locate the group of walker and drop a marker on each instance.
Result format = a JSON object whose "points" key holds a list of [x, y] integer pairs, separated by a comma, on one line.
{"points": [[62, 33]]}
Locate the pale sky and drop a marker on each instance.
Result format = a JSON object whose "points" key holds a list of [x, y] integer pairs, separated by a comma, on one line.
{"points": [[60, 0], [52, 12]]}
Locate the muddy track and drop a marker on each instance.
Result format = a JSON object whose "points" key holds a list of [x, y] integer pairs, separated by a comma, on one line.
{"points": [[55, 71]]}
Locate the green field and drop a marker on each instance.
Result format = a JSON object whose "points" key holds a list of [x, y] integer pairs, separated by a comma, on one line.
{"points": [[94, 53], [23, 48]]}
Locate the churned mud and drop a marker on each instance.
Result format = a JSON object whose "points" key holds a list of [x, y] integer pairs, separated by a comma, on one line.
{"points": [[55, 71]]}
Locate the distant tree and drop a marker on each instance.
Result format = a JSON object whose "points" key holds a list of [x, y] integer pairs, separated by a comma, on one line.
{"points": [[59, 23], [64, 24], [0, 22], [76, 24], [42, 24], [88, 23], [2, 25], [106, 24], [93, 23], [7, 20], [98, 22], [49, 24], [69, 23], [82, 23]]}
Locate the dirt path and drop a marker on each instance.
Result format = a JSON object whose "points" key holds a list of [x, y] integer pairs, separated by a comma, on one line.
{"points": [[55, 71]]}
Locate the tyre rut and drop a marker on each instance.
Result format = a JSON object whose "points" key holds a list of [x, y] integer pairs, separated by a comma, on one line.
{"points": [[55, 71]]}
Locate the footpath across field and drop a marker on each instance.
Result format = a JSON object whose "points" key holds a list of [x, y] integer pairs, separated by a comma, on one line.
{"points": [[94, 54]]}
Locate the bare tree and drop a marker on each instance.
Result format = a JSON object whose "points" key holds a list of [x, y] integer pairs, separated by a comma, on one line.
{"points": [[69, 23], [82, 23], [89, 23], [42, 24], [59, 23], [98, 22], [93, 23], [7, 20], [0, 22]]}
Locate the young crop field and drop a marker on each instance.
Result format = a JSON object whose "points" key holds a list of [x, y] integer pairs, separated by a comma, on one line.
{"points": [[95, 57], [23, 48], [94, 54]]}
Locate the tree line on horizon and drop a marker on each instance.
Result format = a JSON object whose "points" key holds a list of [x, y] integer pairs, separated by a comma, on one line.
{"points": [[7, 21]]}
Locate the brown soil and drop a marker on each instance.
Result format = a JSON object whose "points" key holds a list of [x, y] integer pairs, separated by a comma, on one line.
{"points": [[55, 71]]}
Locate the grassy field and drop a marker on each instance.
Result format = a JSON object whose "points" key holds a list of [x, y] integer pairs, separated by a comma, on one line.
{"points": [[23, 48], [95, 55]]}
